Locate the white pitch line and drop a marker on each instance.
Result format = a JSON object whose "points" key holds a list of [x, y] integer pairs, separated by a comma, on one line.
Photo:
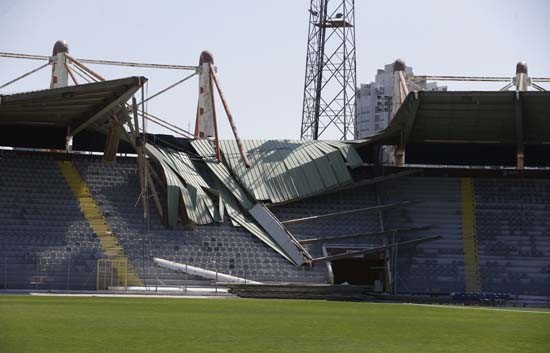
{"points": [[478, 308], [99, 295]]}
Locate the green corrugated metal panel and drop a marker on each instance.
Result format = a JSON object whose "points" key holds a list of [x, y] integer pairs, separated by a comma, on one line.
{"points": [[279, 171], [271, 174], [336, 162], [172, 187], [349, 153], [184, 181], [179, 169], [286, 170], [294, 173], [313, 179], [201, 204], [251, 178], [238, 217], [290, 187], [206, 151], [323, 165]]}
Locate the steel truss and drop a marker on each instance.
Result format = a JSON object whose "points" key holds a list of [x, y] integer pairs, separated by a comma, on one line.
{"points": [[330, 78]]}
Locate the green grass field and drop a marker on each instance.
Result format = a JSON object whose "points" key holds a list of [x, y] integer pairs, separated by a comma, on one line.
{"points": [[79, 324]]}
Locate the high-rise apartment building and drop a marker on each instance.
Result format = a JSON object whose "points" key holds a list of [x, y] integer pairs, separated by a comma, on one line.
{"points": [[374, 100]]}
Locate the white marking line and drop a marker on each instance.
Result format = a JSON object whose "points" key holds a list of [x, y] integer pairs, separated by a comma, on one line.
{"points": [[99, 295], [478, 308]]}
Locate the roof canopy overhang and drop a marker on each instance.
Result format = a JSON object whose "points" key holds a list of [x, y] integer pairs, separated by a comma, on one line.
{"points": [[469, 117], [86, 106]]}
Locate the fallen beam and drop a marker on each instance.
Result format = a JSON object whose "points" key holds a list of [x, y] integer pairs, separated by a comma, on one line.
{"points": [[196, 271], [371, 181], [357, 210], [279, 233], [373, 250], [380, 179], [113, 107], [359, 235]]}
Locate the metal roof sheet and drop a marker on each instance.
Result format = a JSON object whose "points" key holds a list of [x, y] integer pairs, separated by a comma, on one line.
{"points": [[468, 117], [69, 106], [183, 180], [284, 170], [206, 151]]}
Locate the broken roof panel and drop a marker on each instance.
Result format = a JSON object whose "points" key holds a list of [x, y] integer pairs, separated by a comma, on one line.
{"points": [[183, 179], [284, 170]]}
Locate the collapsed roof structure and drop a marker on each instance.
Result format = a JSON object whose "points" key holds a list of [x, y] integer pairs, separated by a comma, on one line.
{"points": [[206, 178]]}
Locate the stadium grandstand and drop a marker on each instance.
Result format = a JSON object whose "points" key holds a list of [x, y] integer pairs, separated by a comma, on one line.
{"points": [[90, 200]]}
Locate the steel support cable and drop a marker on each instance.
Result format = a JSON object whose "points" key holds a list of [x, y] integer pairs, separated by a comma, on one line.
{"points": [[164, 126], [144, 115], [461, 78], [70, 71], [168, 88], [84, 67], [24, 56], [84, 74], [103, 62], [540, 88], [25, 75], [151, 117], [505, 88], [134, 64]]}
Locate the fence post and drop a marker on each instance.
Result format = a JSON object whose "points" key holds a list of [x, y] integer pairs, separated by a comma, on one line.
{"points": [[68, 271], [5, 270], [36, 274]]}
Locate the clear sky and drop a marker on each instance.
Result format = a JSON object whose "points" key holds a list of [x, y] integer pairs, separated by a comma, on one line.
{"points": [[259, 47]]}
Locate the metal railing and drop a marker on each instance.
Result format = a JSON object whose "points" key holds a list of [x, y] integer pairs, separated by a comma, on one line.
{"points": [[47, 272], [111, 273]]}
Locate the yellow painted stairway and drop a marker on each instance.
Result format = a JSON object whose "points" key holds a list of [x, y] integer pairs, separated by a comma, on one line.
{"points": [[469, 240], [95, 218]]}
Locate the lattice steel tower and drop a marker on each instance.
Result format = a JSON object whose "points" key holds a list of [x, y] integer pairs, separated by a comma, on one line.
{"points": [[330, 81]]}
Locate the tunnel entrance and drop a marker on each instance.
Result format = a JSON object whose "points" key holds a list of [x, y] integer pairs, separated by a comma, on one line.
{"points": [[361, 270]]}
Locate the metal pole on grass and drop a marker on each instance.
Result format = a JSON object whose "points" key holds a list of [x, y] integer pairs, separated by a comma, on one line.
{"points": [[68, 271], [216, 283], [36, 274], [5, 271]]}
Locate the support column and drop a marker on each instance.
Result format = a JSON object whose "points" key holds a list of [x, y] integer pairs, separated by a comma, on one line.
{"points": [[522, 82], [60, 75], [206, 124], [400, 92]]}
